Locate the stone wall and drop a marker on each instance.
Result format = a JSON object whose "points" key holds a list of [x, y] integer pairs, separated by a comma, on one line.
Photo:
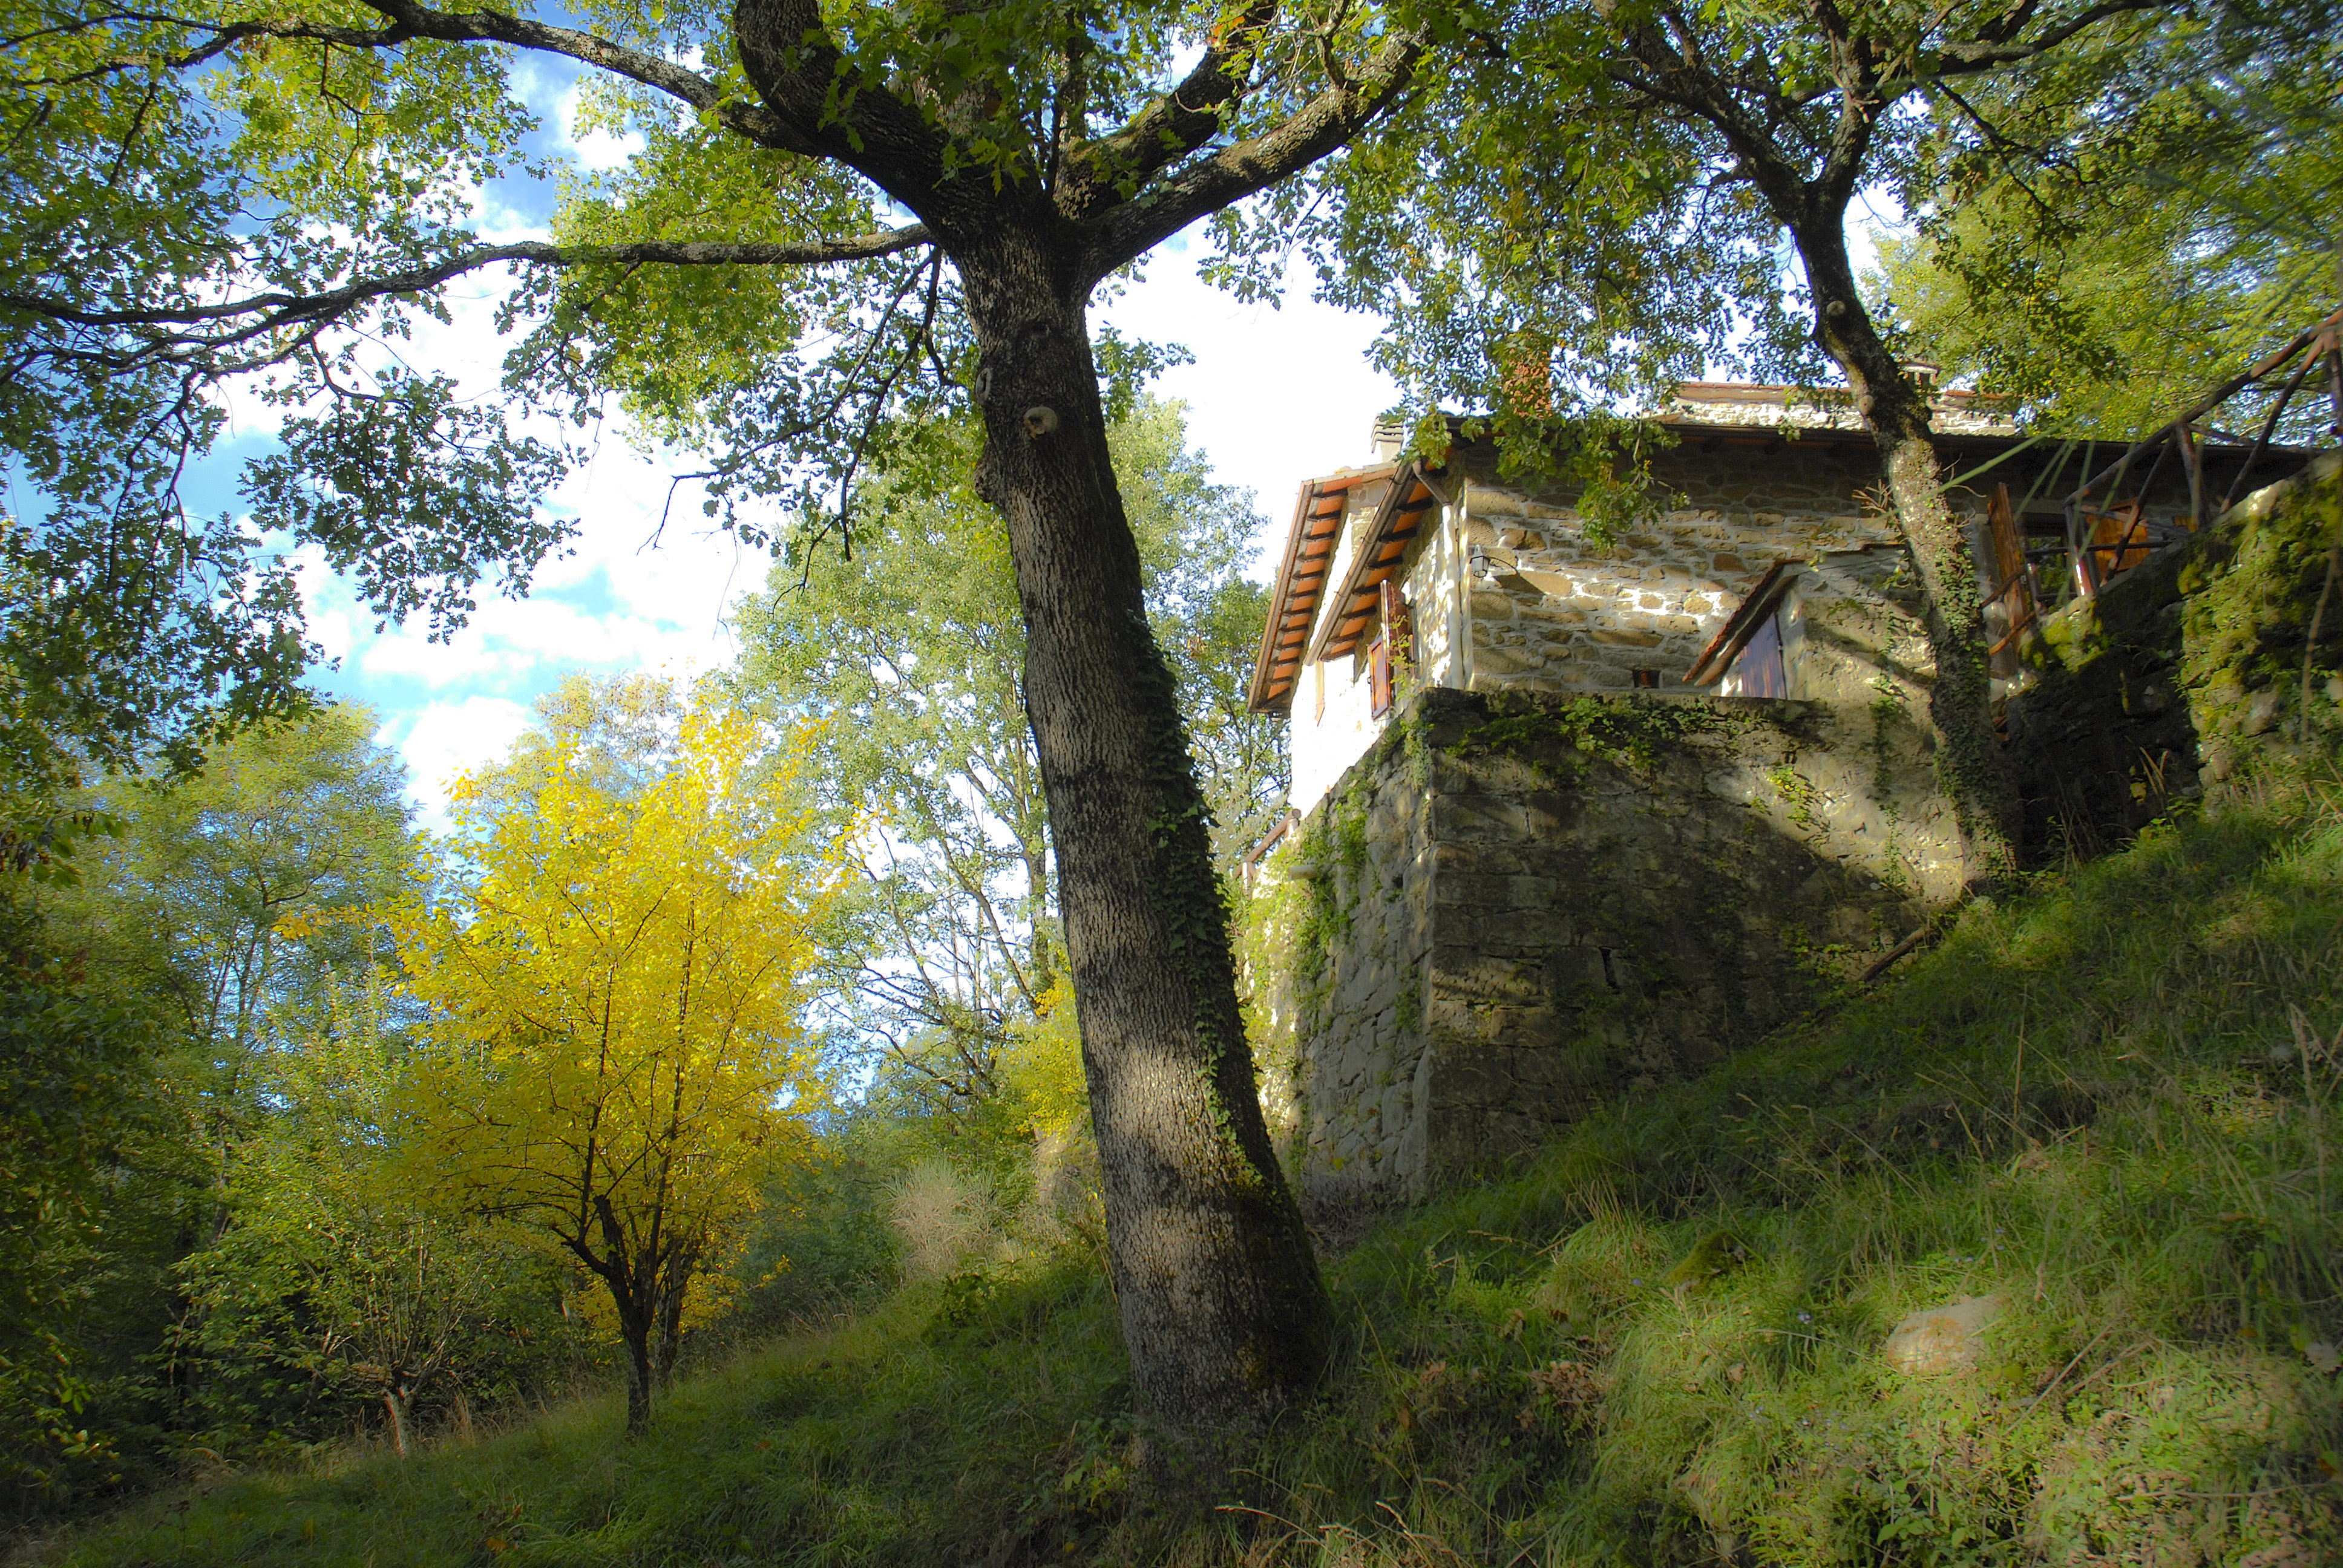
{"points": [[1565, 614], [2261, 623], [1517, 904], [2099, 737]]}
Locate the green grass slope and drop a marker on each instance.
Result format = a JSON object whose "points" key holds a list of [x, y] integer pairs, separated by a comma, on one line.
{"points": [[2109, 1105]]}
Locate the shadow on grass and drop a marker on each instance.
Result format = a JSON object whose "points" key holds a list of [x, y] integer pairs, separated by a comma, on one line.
{"points": [[2108, 1105]]}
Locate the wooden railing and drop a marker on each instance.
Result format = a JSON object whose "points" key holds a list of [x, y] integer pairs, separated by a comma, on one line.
{"points": [[2108, 534]]}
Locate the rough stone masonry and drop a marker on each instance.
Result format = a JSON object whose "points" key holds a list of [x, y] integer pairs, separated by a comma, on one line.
{"points": [[1519, 903]]}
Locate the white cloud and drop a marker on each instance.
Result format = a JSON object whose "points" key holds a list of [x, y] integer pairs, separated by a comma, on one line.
{"points": [[596, 150], [499, 222], [528, 643], [441, 741], [1275, 395]]}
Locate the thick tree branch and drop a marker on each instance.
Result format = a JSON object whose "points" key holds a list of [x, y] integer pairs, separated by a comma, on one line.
{"points": [[1316, 129], [808, 87], [1171, 127], [653, 71], [1674, 81], [1994, 50], [409, 22], [275, 310]]}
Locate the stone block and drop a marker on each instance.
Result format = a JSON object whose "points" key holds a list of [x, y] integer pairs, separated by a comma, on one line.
{"points": [[1540, 1029], [1504, 662], [1530, 892], [1482, 815]]}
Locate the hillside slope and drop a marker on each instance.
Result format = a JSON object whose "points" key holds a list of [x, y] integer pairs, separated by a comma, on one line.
{"points": [[2107, 1105]]}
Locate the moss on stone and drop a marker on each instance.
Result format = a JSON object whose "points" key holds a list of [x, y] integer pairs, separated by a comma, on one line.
{"points": [[2200, 657], [1558, 737], [2250, 594]]}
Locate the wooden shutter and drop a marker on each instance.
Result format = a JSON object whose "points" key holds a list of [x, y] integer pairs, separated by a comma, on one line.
{"points": [[2118, 539], [1399, 626], [2013, 589]]}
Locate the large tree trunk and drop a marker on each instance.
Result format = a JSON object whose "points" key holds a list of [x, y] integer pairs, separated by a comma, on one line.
{"points": [[1960, 699], [1222, 1308]]}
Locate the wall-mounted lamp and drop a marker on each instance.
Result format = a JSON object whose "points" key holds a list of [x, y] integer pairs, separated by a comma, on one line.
{"points": [[1481, 569]]}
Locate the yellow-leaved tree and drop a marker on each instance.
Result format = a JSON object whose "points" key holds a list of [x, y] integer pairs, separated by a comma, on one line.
{"points": [[614, 971]]}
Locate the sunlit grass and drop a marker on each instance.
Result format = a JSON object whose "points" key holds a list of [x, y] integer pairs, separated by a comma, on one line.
{"points": [[2109, 1104]]}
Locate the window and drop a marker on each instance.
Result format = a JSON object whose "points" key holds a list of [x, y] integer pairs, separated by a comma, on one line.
{"points": [[1389, 645], [1756, 670]]}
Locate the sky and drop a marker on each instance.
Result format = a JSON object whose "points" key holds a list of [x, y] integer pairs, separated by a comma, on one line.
{"points": [[1274, 395]]}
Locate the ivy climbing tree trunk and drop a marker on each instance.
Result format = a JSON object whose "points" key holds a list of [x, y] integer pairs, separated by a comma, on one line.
{"points": [[1960, 697], [1222, 1308], [1222, 1305]]}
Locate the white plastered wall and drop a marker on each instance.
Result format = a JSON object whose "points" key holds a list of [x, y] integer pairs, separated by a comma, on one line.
{"points": [[1328, 737]]}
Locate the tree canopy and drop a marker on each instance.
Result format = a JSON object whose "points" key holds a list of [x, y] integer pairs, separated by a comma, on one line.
{"points": [[614, 981], [2135, 230]]}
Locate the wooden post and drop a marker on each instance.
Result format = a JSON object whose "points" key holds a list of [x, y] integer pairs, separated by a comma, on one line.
{"points": [[2194, 460]]}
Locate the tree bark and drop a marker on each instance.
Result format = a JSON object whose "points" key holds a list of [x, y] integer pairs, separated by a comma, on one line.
{"points": [[635, 1329], [1960, 699], [673, 1285], [394, 1401], [1222, 1305], [633, 1296]]}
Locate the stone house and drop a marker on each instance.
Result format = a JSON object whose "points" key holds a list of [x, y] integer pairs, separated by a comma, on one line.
{"points": [[1570, 815]]}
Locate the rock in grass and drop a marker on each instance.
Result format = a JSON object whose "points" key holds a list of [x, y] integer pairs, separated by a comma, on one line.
{"points": [[1946, 1339]]}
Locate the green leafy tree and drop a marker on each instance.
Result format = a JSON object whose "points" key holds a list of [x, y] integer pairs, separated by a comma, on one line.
{"points": [[913, 654], [2113, 250], [335, 1281], [1619, 184], [96, 1178], [142, 995], [211, 897], [1240, 754], [232, 867]]}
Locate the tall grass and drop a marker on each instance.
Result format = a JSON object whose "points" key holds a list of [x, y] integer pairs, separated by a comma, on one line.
{"points": [[2110, 1104]]}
